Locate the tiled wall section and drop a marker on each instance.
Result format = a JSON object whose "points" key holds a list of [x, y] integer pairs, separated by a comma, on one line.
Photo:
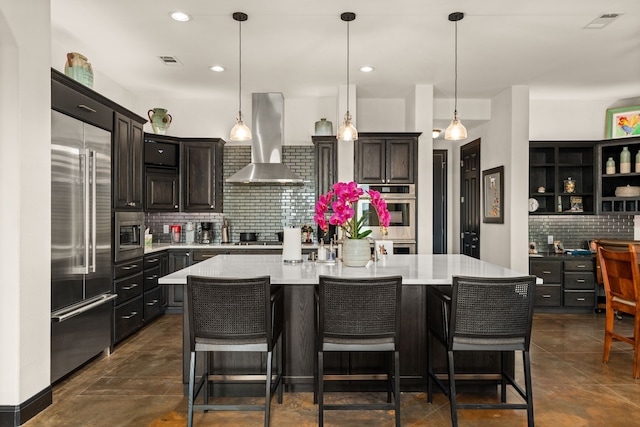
{"points": [[261, 208], [573, 230]]}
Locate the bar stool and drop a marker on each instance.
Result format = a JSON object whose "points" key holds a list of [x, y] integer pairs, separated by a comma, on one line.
{"points": [[235, 315], [483, 314], [360, 315]]}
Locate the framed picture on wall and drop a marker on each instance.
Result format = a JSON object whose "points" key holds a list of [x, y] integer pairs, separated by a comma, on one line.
{"points": [[623, 122], [493, 195]]}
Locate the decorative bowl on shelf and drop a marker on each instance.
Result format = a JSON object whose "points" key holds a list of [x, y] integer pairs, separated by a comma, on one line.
{"points": [[628, 191]]}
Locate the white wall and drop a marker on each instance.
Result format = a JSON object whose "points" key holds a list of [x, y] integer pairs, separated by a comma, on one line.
{"points": [[25, 182]]}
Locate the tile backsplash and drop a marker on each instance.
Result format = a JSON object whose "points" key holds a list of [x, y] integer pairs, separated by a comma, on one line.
{"points": [[573, 230], [260, 208]]}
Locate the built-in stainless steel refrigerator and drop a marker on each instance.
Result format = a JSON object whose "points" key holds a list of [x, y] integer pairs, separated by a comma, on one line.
{"points": [[81, 297]]}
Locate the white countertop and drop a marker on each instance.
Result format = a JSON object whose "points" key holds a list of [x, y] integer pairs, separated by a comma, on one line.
{"points": [[156, 247], [414, 269]]}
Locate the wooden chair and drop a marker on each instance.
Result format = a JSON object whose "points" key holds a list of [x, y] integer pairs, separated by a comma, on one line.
{"points": [[621, 277], [243, 315], [483, 314], [358, 315]]}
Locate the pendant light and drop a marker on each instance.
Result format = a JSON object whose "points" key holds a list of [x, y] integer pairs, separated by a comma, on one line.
{"points": [[347, 131], [240, 132], [456, 131]]}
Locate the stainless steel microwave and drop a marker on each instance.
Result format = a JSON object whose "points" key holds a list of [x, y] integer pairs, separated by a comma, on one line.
{"points": [[401, 203], [129, 236]]}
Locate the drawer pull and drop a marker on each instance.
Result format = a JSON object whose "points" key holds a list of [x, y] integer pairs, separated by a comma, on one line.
{"points": [[581, 266], [133, 313], [129, 267], [580, 280], [154, 302], [153, 260], [546, 296], [128, 288], [581, 299], [86, 108], [546, 272]]}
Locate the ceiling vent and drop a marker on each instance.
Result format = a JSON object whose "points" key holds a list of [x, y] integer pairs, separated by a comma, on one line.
{"points": [[170, 60], [602, 21]]}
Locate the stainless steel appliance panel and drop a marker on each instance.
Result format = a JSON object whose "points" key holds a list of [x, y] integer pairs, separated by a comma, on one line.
{"points": [[401, 203], [129, 236]]}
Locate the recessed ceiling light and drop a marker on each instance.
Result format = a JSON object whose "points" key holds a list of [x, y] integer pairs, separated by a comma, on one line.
{"points": [[180, 16], [367, 69], [217, 68]]}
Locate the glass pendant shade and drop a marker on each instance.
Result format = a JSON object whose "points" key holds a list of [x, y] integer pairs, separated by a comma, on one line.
{"points": [[456, 131], [347, 131], [240, 132]]}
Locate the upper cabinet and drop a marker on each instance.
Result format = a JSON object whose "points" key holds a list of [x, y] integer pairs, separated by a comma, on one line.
{"points": [[561, 178], [613, 194], [127, 163], [326, 163], [201, 174], [386, 158]]}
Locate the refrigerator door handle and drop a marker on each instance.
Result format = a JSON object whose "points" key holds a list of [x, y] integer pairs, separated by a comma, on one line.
{"points": [[68, 315], [87, 213], [93, 210]]}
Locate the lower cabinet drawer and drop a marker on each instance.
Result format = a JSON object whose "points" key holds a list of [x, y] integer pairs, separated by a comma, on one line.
{"points": [[128, 288], [579, 299], [585, 281], [152, 304], [127, 319], [548, 296]]}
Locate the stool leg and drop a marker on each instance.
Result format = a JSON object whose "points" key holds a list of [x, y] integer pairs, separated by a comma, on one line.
{"points": [[390, 377], [207, 365], [452, 389], [528, 387], [280, 364], [503, 380], [267, 397], [429, 363], [320, 390], [396, 391], [192, 374]]}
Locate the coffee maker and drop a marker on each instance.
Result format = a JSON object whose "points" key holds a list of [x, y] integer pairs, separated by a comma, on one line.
{"points": [[206, 232]]}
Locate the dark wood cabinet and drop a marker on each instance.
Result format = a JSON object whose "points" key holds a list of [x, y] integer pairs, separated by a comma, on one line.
{"points": [[387, 158], [608, 201], [550, 165], [127, 163], [162, 190], [128, 309], [326, 165], [154, 296], [568, 286], [178, 259], [201, 172]]}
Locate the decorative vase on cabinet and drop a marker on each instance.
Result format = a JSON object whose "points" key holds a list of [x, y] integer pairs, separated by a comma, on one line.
{"points": [[160, 120], [625, 160], [356, 252]]}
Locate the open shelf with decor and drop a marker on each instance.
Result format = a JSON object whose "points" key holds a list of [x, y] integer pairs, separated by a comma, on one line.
{"points": [[619, 189], [561, 177]]}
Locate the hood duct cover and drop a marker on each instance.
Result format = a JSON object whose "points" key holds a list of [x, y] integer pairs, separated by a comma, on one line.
{"points": [[266, 145]]}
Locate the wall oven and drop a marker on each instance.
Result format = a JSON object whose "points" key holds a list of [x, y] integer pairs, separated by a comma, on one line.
{"points": [[401, 202], [129, 236]]}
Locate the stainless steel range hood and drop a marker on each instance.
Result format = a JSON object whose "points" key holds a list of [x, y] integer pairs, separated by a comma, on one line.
{"points": [[266, 145]]}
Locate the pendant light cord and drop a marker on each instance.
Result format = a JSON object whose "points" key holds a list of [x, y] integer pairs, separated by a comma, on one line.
{"points": [[455, 85], [347, 67], [240, 70]]}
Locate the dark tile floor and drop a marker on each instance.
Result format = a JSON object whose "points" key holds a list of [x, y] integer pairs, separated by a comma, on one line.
{"points": [[140, 385]]}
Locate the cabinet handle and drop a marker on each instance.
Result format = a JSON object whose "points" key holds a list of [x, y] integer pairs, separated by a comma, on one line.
{"points": [[580, 280], [581, 299], [86, 108], [131, 204], [581, 266], [212, 207], [128, 288], [546, 296], [133, 313], [129, 267], [153, 260], [154, 302], [546, 272], [175, 206]]}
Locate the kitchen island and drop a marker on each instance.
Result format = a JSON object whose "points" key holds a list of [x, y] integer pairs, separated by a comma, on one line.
{"points": [[417, 271]]}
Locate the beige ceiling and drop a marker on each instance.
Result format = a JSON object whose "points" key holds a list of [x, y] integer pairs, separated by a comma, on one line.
{"points": [[298, 47]]}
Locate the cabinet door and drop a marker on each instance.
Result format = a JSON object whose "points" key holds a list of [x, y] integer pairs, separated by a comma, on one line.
{"points": [[199, 177], [400, 156], [326, 164], [370, 161], [162, 192], [127, 163]]}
